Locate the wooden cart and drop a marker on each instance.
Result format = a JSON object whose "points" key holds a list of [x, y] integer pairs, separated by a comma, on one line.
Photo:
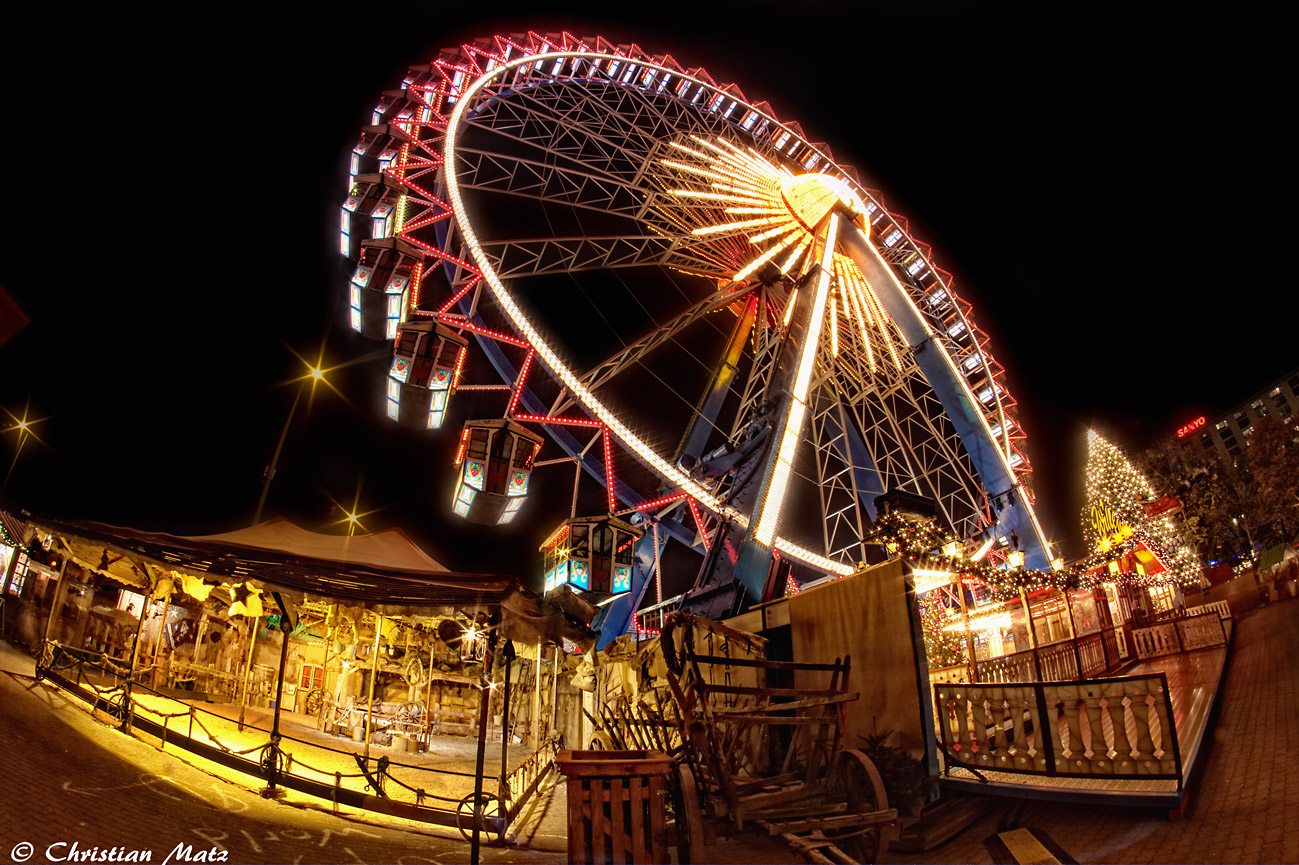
{"points": [[763, 748]]}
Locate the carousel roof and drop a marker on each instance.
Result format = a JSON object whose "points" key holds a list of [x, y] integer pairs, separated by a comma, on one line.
{"points": [[382, 569]]}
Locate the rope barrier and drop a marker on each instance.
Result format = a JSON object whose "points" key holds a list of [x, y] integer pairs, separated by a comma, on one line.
{"points": [[271, 757]]}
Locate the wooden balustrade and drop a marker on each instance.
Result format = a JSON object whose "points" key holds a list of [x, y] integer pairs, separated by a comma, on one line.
{"points": [[1058, 662], [1017, 667], [1220, 607], [949, 675], [1180, 635], [1117, 727], [1201, 632], [1155, 640], [1092, 660]]}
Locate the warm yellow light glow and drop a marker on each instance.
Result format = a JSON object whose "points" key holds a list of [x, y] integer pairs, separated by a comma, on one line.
{"points": [[317, 373], [815, 560], [983, 550], [927, 580], [775, 497], [992, 622]]}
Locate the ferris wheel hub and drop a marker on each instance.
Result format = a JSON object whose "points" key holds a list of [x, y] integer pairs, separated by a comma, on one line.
{"points": [[809, 197]]}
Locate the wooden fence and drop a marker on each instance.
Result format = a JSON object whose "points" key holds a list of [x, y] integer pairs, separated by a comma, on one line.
{"points": [[1116, 727], [1086, 657], [1179, 635]]}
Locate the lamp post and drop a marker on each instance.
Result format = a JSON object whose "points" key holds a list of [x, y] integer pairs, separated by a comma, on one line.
{"points": [[23, 426], [315, 375]]}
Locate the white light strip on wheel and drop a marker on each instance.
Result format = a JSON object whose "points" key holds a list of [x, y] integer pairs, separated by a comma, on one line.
{"points": [[818, 561], [530, 333], [775, 498]]}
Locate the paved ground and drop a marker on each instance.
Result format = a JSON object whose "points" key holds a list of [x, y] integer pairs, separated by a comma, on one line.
{"points": [[71, 780], [1247, 800]]}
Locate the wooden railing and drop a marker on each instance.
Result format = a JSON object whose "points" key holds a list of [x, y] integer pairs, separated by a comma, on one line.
{"points": [[949, 675], [1179, 635], [1219, 607], [1116, 728], [1201, 632], [1086, 657]]}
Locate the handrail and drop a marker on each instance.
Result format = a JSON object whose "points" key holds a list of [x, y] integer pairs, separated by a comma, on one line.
{"points": [[1060, 729]]}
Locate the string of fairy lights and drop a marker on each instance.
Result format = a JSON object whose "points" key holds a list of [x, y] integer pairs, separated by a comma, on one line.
{"points": [[1118, 531]]}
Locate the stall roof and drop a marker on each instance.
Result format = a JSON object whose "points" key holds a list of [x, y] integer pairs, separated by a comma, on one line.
{"points": [[1275, 555], [13, 526], [384, 568]]}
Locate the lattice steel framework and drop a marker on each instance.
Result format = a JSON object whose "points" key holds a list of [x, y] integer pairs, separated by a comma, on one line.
{"points": [[575, 138]]}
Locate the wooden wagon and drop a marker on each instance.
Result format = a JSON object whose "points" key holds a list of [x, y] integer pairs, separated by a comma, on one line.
{"points": [[762, 748]]}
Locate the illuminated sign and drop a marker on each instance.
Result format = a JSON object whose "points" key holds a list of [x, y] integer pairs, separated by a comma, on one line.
{"points": [[1108, 526], [1191, 427]]}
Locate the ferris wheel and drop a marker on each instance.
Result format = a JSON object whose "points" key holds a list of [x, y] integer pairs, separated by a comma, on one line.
{"points": [[699, 307]]}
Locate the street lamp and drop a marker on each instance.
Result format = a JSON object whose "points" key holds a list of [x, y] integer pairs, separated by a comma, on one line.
{"points": [[315, 374], [23, 426]]}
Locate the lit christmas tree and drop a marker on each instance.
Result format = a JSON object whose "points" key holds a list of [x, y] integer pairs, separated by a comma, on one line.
{"points": [[1115, 513], [942, 648]]}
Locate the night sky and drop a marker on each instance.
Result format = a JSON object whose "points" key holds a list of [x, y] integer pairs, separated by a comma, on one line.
{"points": [[1108, 186]]}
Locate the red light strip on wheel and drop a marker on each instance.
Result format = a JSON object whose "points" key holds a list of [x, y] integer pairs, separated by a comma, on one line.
{"points": [[608, 468], [570, 421], [518, 385], [437, 253], [657, 503], [699, 523], [459, 294], [461, 323], [427, 220], [730, 551]]}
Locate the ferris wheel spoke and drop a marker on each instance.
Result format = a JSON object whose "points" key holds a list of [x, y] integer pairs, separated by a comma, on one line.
{"points": [[539, 180], [598, 376], [541, 256]]}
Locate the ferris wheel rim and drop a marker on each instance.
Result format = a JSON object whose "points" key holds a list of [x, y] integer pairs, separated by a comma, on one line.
{"points": [[552, 359]]}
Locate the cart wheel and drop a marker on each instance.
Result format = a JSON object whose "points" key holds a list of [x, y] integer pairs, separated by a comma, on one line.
{"points": [[490, 805], [600, 741], [690, 829], [856, 778], [315, 700]]}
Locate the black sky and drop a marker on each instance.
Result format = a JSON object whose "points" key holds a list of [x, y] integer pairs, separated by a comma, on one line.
{"points": [[1111, 187]]}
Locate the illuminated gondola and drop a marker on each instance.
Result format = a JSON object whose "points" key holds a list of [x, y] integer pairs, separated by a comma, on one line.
{"points": [[493, 465]]}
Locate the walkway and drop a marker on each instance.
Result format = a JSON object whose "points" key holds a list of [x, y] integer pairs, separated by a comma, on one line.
{"points": [[1243, 802], [71, 779]]}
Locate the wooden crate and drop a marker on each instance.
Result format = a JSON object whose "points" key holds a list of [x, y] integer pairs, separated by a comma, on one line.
{"points": [[616, 806]]}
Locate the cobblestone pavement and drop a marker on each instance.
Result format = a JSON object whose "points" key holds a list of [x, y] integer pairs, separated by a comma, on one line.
{"points": [[1246, 802], [69, 779]]}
